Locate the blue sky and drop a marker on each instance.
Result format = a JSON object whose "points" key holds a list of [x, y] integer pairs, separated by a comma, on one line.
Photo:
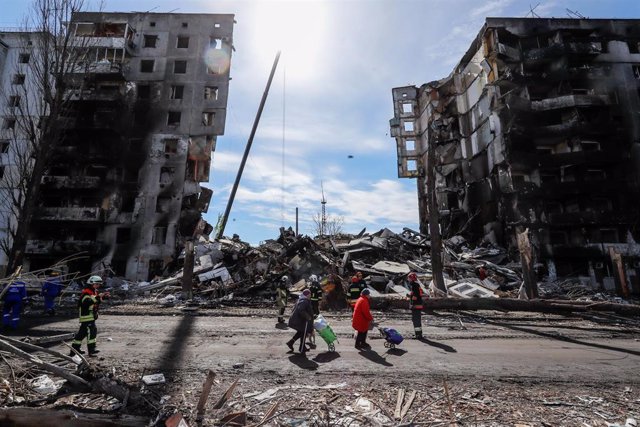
{"points": [[331, 97]]}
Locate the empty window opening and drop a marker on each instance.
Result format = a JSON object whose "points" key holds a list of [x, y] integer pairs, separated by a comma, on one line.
{"points": [[144, 92], [177, 92], [180, 67], [128, 202], [553, 207], [9, 124], [156, 268], [407, 107], [634, 46], [171, 146], [166, 174], [215, 43], [595, 175], [216, 25], [159, 236], [14, 100], [146, 65], [412, 166], [517, 179], [18, 79], [404, 95], [636, 71], [150, 41], [173, 118], [2, 172], [590, 146], [4, 146], [568, 173], [24, 58], [408, 126], [208, 117], [213, 69], [410, 145], [163, 204], [210, 92], [572, 206], [183, 42], [544, 150], [123, 234], [548, 178], [185, 24], [609, 235], [152, 24], [558, 237]]}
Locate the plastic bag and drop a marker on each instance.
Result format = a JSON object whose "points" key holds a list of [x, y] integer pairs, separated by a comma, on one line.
{"points": [[320, 323]]}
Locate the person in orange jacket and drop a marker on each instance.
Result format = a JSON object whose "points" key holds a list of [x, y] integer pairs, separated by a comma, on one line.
{"points": [[362, 319]]}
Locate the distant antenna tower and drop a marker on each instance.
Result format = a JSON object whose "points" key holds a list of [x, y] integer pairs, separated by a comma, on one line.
{"points": [[532, 11], [323, 220], [575, 14]]}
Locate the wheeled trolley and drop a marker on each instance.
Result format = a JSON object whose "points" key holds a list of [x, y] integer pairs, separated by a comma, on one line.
{"points": [[391, 337], [324, 330]]}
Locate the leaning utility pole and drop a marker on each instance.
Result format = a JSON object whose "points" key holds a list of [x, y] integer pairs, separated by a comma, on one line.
{"points": [[225, 217], [433, 135]]}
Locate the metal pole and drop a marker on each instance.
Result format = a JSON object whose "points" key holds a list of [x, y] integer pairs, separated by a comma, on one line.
{"points": [[232, 196], [296, 221]]}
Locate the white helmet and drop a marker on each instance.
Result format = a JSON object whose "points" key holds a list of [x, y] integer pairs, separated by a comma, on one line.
{"points": [[93, 280], [313, 278]]}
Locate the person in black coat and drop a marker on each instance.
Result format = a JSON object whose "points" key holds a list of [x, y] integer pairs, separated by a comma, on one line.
{"points": [[301, 320]]}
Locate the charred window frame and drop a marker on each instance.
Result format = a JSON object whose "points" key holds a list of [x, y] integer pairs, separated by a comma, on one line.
{"points": [[24, 58], [14, 101], [159, 235], [123, 235], [9, 123], [180, 67], [182, 42], [18, 79], [4, 146], [208, 118], [173, 118], [211, 93], [177, 92], [147, 65], [144, 91], [150, 41], [171, 145]]}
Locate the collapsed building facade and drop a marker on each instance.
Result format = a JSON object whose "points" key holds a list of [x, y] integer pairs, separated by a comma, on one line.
{"points": [[538, 128], [145, 106]]}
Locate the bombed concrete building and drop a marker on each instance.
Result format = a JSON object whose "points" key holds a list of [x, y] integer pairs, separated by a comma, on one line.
{"points": [[538, 128], [145, 107]]}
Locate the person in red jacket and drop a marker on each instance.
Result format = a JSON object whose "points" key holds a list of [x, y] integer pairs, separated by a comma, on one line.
{"points": [[361, 320]]}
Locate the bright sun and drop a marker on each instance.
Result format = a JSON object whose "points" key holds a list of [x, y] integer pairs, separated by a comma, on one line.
{"points": [[298, 29]]}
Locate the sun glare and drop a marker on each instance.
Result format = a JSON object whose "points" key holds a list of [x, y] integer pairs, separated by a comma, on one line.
{"points": [[298, 29]]}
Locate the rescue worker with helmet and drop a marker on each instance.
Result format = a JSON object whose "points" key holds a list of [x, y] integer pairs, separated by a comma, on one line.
{"points": [[415, 304], [88, 304], [282, 296], [14, 297], [355, 288], [316, 294], [51, 288]]}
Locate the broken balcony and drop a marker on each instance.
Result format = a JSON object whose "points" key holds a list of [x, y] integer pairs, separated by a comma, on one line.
{"points": [[82, 214], [567, 101], [71, 181], [46, 247]]}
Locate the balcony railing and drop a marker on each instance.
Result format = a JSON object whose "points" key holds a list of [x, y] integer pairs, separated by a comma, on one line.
{"points": [[84, 214]]}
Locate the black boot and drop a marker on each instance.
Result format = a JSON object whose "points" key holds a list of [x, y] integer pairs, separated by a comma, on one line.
{"points": [[290, 345]]}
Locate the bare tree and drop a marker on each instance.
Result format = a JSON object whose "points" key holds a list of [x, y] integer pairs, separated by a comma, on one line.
{"points": [[50, 54], [331, 227]]}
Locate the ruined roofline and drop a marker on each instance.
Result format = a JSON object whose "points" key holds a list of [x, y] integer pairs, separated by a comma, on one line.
{"points": [[532, 26], [95, 15]]}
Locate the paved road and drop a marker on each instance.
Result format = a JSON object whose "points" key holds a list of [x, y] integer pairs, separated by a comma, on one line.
{"points": [[562, 349]]}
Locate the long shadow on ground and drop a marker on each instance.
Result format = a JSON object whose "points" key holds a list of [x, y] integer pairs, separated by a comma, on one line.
{"points": [[172, 356]]}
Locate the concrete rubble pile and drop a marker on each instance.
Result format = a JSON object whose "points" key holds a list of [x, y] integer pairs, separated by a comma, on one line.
{"points": [[231, 270]]}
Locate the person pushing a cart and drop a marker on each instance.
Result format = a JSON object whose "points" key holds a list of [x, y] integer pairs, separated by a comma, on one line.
{"points": [[302, 321]]}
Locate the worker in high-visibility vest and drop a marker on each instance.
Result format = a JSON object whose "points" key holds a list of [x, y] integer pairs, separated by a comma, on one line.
{"points": [[88, 304]]}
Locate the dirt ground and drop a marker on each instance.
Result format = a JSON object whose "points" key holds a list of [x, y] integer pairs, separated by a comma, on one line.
{"points": [[477, 368]]}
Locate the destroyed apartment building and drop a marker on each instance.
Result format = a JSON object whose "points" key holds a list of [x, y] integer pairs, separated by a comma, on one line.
{"points": [[538, 128], [146, 105]]}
